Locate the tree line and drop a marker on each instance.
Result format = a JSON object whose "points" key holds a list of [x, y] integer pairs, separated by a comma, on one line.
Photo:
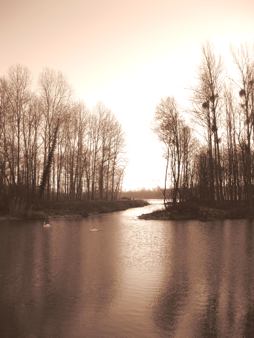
{"points": [[52, 146], [219, 167]]}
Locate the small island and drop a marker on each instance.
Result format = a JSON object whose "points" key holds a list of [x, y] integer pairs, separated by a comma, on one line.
{"points": [[183, 211]]}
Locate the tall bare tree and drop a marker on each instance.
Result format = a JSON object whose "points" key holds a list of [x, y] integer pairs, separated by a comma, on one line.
{"points": [[245, 65], [207, 110], [55, 95], [176, 136]]}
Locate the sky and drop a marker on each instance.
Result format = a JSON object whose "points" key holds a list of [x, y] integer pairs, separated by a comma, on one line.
{"points": [[126, 54]]}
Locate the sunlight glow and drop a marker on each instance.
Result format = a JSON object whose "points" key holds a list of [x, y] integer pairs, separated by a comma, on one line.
{"points": [[128, 56]]}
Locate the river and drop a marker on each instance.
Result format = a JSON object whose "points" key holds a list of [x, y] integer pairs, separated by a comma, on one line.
{"points": [[129, 279]]}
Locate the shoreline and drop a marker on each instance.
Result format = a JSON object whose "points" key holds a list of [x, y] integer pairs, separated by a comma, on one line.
{"points": [[201, 213], [75, 209]]}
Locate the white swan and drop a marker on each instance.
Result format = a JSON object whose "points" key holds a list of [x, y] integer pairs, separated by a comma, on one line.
{"points": [[46, 225], [94, 229]]}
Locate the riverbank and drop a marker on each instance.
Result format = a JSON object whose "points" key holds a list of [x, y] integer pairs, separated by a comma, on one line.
{"points": [[74, 209], [203, 213]]}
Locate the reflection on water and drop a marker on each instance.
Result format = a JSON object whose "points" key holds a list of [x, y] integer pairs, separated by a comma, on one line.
{"points": [[210, 291], [133, 278]]}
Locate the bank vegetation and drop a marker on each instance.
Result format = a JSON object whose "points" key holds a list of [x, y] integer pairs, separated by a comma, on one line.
{"points": [[52, 148], [214, 170]]}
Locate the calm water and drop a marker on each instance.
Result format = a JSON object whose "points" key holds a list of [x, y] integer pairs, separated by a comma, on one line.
{"points": [[133, 278]]}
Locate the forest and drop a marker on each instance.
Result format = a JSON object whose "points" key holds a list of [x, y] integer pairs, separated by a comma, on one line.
{"points": [[52, 147], [210, 156]]}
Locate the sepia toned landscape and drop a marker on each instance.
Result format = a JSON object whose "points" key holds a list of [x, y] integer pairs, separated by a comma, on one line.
{"points": [[126, 169]]}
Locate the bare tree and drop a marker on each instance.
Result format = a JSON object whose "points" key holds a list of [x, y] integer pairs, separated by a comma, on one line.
{"points": [[175, 136], [245, 65], [55, 95], [18, 96], [207, 110]]}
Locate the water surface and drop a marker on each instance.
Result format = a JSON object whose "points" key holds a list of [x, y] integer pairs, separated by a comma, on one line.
{"points": [[132, 278]]}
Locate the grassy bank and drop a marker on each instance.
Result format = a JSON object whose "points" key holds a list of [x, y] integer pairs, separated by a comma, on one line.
{"points": [[86, 208], [73, 209], [203, 213]]}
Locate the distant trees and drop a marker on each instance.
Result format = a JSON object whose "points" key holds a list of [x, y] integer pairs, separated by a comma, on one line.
{"points": [[222, 167], [53, 147]]}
